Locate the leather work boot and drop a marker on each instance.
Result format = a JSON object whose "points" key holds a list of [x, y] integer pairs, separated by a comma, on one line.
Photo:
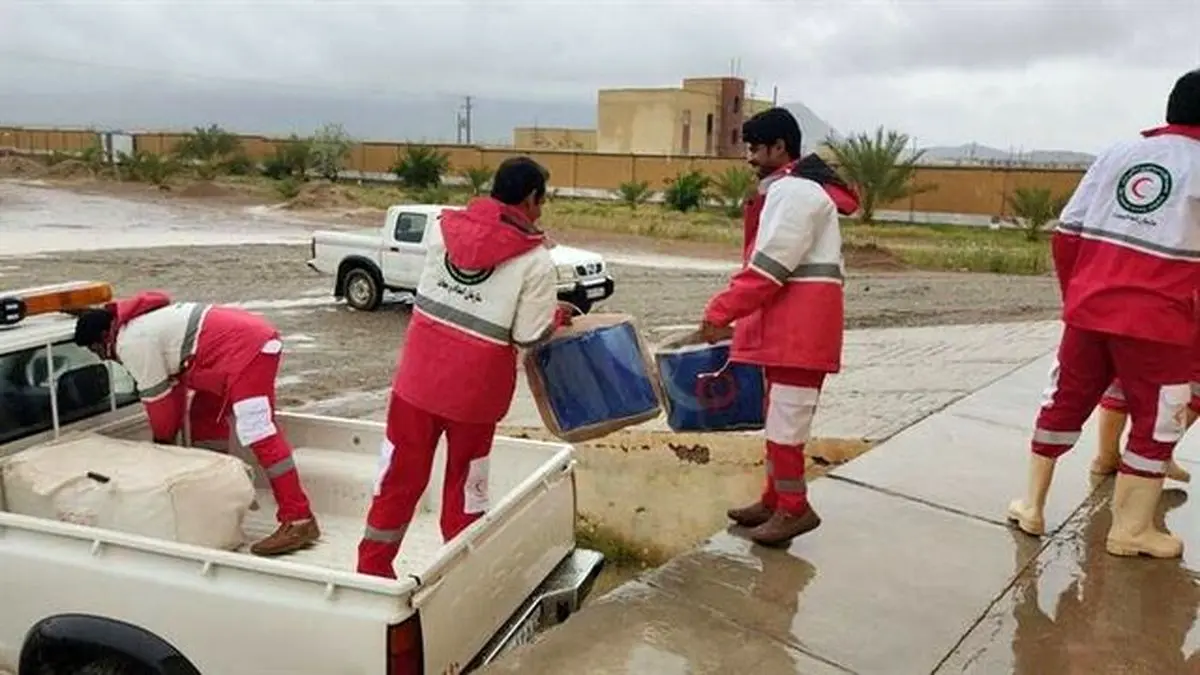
{"points": [[782, 527], [1133, 531], [289, 537], [1029, 513], [750, 516]]}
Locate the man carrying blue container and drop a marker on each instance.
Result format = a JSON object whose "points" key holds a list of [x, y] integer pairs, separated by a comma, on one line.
{"points": [[787, 309], [487, 288]]}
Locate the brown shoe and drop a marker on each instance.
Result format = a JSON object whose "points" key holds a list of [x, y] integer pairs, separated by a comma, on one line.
{"points": [[783, 527], [750, 516], [288, 537]]}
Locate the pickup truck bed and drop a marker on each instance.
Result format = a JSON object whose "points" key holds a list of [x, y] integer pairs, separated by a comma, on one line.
{"points": [[339, 485], [261, 610]]}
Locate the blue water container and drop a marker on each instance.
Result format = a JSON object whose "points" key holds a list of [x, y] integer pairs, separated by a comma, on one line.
{"points": [[703, 391], [591, 380]]}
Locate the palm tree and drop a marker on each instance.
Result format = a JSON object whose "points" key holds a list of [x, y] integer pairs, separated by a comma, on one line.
{"points": [[879, 167], [1035, 206], [734, 186]]}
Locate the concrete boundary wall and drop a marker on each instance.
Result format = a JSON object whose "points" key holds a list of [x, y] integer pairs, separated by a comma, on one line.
{"points": [[971, 191]]}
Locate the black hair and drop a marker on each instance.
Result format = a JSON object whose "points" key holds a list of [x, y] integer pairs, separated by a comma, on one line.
{"points": [[1183, 106], [518, 177], [776, 124], [91, 327]]}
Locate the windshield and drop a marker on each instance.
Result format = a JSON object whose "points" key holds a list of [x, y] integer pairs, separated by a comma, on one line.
{"points": [[84, 386]]}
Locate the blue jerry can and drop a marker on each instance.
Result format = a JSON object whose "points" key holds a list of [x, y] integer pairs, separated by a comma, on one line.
{"points": [[593, 378], [704, 391]]}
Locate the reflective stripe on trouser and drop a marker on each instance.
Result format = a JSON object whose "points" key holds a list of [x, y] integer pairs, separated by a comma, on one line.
{"points": [[1153, 380], [405, 463], [253, 410], [792, 397]]}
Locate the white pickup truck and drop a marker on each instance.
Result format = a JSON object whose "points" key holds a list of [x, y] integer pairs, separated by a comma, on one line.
{"points": [[367, 263], [80, 599]]}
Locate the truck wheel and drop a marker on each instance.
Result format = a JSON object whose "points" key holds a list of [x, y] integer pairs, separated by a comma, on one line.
{"points": [[110, 666], [362, 292]]}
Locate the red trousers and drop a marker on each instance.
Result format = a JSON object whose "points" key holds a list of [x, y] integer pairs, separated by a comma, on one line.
{"points": [[1154, 378], [792, 396], [252, 406], [406, 461]]}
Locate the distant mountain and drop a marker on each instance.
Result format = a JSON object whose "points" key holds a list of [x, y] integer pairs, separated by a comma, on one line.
{"points": [[813, 129], [971, 153], [370, 117], [380, 117]]}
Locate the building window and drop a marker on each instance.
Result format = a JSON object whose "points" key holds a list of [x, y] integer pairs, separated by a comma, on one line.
{"points": [[708, 124], [686, 140], [735, 136], [737, 105]]}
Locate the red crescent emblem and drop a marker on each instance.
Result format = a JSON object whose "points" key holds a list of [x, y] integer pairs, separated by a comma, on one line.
{"points": [[1135, 187], [715, 393]]}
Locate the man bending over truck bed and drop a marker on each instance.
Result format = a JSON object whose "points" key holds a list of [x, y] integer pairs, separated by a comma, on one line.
{"points": [[488, 287], [227, 358]]}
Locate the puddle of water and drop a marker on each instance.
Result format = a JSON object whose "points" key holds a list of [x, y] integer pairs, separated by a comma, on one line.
{"points": [[357, 404], [674, 262], [291, 303], [39, 220]]}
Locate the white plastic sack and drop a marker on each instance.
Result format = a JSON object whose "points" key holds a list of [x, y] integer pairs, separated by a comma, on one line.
{"points": [[187, 495]]}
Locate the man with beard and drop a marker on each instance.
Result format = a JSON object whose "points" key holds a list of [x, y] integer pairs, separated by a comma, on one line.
{"points": [[786, 304]]}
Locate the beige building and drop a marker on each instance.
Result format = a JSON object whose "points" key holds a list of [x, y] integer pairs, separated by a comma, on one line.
{"points": [[702, 118], [554, 138]]}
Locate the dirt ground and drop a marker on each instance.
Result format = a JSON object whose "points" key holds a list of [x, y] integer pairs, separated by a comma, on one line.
{"points": [[353, 350], [645, 496]]}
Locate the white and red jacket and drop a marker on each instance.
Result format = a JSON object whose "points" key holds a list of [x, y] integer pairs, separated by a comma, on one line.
{"points": [[1127, 246], [487, 288], [787, 303], [170, 348]]}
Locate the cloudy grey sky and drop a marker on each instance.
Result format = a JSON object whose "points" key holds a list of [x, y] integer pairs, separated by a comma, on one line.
{"points": [[1069, 74]]}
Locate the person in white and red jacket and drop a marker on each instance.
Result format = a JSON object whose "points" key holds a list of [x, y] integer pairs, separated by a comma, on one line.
{"points": [[487, 288], [207, 362], [786, 307], [1127, 254]]}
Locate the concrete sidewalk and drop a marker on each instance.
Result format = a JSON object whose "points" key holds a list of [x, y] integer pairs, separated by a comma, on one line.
{"points": [[914, 569]]}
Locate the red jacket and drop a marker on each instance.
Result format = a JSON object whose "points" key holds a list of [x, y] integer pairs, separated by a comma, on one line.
{"points": [[1127, 246], [488, 287], [170, 348], [787, 303]]}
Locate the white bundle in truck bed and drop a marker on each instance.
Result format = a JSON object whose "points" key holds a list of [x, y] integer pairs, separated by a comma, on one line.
{"points": [[187, 495]]}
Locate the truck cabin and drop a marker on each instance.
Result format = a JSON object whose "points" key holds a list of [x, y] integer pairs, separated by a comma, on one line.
{"points": [[46, 381]]}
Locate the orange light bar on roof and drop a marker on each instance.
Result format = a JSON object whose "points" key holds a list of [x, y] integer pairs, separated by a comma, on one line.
{"points": [[65, 297]]}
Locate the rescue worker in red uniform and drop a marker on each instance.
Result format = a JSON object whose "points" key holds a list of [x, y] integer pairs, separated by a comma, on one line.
{"points": [[1127, 253], [487, 288], [787, 310], [207, 363]]}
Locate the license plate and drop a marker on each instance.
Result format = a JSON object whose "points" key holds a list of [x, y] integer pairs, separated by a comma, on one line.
{"points": [[527, 630], [593, 293]]}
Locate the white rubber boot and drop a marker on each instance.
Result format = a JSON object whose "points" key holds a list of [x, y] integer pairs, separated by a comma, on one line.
{"points": [[1029, 513], [1134, 502], [1108, 446]]}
